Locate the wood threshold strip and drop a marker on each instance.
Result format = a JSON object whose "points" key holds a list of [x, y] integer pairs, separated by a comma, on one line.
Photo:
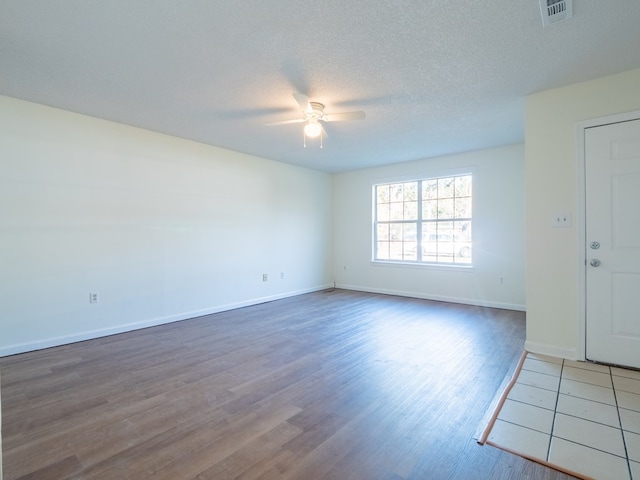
{"points": [[483, 438]]}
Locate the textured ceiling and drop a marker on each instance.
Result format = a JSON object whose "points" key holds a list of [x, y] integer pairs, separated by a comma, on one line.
{"points": [[434, 77]]}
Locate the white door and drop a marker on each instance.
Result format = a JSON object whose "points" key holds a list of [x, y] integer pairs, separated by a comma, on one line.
{"points": [[612, 169]]}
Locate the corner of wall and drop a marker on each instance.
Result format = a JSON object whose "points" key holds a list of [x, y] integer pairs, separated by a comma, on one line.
{"points": [[551, 350]]}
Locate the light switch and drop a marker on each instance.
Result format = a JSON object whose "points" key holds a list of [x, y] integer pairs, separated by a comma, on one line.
{"points": [[561, 220]]}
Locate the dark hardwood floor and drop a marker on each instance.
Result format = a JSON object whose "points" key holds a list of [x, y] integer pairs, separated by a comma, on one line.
{"points": [[329, 385]]}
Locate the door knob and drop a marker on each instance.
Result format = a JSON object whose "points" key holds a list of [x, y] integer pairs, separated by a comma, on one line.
{"points": [[595, 262]]}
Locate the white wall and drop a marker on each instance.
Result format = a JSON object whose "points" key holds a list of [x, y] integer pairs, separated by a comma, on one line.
{"points": [[162, 228], [498, 232], [553, 318]]}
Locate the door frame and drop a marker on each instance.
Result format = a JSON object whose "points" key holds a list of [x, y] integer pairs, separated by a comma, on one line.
{"points": [[581, 220]]}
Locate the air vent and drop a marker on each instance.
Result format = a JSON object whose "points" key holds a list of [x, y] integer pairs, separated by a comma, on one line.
{"points": [[555, 11]]}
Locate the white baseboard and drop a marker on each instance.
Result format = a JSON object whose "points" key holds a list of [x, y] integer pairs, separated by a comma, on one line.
{"points": [[91, 334], [551, 350], [439, 298]]}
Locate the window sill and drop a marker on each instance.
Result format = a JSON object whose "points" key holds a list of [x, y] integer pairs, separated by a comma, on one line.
{"points": [[430, 266]]}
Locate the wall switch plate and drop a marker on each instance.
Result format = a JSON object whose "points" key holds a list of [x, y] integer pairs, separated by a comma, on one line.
{"points": [[561, 220]]}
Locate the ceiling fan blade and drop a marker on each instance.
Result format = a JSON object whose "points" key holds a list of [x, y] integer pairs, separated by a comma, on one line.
{"points": [[341, 117], [284, 122], [303, 101]]}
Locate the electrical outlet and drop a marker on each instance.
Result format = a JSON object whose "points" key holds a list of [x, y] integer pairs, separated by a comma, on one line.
{"points": [[281, 275], [94, 297], [265, 277], [501, 281]]}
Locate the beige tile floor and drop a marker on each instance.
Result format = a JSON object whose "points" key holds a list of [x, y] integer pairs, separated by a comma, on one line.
{"points": [[581, 416]]}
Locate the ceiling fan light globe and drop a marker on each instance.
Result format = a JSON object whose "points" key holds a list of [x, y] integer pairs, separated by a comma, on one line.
{"points": [[312, 129]]}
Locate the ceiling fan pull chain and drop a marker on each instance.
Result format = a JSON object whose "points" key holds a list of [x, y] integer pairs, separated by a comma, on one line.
{"points": [[321, 139], [304, 139]]}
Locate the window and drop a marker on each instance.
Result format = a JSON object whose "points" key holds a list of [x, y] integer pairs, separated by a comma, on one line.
{"points": [[424, 221]]}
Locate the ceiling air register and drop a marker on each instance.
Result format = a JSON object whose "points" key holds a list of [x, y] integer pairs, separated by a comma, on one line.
{"points": [[555, 11]]}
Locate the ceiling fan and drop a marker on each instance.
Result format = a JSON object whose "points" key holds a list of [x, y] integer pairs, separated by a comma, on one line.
{"points": [[313, 116]]}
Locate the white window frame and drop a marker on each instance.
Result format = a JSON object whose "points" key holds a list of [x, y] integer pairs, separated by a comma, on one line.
{"points": [[419, 221]]}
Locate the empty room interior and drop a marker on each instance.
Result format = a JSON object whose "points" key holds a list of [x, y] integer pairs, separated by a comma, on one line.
{"points": [[328, 240]]}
